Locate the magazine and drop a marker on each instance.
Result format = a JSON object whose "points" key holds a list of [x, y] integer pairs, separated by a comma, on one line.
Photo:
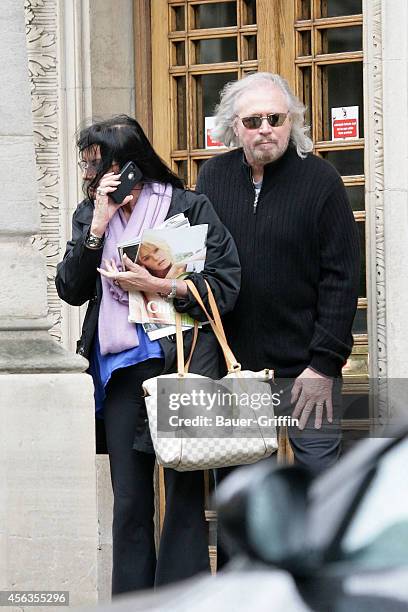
{"points": [[131, 247], [169, 252]]}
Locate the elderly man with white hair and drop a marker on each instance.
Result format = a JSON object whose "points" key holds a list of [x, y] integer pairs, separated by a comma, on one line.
{"points": [[288, 211]]}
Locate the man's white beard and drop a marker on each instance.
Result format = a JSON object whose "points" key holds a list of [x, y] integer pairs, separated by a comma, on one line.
{"points": [[266, 157]]}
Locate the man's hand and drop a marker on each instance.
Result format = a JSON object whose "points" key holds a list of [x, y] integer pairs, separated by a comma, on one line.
{"points": [[312, 390]]}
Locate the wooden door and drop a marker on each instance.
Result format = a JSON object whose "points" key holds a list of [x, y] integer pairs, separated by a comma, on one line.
{"points": [[317, 45]]}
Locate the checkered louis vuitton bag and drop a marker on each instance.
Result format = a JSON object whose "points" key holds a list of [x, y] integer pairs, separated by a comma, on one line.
{"points": [[244, 439]]}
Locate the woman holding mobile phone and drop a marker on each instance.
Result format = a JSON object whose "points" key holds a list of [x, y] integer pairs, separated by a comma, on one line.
{"points": [[120, 354]]}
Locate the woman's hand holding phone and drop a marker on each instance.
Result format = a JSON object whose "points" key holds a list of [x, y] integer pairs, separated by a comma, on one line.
{"points": [[105, 207]]}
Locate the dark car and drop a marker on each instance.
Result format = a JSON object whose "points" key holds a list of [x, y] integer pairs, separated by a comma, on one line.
{"points": [[338, 543]]}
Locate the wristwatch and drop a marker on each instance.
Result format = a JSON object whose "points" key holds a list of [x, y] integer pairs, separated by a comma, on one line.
{"points": [[173, 291], [93, 242]]}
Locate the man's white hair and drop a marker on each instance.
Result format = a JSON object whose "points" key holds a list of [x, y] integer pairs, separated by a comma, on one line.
{"points": [[225, 112]]}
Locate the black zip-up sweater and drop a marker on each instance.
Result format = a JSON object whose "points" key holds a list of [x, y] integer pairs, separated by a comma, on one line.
{"points": [[299, 252]]}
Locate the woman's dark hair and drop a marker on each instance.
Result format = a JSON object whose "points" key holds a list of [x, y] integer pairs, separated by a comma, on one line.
{"points": [[121, 139]]}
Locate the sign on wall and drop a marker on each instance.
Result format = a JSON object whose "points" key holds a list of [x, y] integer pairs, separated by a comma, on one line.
{"points": [[210, 143], [344, 123]]}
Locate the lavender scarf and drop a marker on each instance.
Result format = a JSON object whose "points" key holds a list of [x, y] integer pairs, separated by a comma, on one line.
{"points": [[116, 334]]}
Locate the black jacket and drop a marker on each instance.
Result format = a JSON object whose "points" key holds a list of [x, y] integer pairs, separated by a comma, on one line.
{"points": [[78, 281]]}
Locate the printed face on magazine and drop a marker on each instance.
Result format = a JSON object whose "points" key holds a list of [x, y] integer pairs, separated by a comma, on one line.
{"points": [[157, 259]]}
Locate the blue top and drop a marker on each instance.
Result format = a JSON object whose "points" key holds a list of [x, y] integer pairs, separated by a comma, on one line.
{"points": [[102, 366]]}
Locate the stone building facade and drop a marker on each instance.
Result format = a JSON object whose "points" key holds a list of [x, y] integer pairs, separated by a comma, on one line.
{"points": [[91, 58]]}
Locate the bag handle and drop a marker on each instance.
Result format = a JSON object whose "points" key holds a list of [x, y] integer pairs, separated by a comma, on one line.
{"points": [[193, 345], [182, 368], [216, 325]]}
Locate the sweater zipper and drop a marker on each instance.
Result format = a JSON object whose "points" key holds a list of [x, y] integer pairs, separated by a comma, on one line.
{"points": [[257, 194]]}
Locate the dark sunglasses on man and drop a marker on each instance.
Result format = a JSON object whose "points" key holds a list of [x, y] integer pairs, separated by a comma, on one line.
{"points": [[254, 122]]}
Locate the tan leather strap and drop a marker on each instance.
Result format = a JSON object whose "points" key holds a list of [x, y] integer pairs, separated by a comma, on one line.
{"points": [[179, 345], [217, 327], [229, 357], [193, 344], [214, 310], [181, 367]]}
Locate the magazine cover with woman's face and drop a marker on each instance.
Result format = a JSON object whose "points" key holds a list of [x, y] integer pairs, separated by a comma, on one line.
{"points": [[166, 253]]}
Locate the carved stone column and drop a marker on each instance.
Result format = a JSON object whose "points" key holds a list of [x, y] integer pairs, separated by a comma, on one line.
{"points": [[386, 101], [374, 171], [48, 527], [395, 121]]}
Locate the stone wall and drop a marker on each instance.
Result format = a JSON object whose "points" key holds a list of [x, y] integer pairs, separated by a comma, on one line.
{"points": [[81, 65]]}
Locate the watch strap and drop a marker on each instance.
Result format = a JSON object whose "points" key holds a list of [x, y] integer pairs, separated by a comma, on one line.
{"points": [[173, 291], [93, 242]]}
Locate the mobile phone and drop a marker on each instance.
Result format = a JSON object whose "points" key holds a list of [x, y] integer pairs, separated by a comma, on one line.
{"points": [[130, 174]]}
